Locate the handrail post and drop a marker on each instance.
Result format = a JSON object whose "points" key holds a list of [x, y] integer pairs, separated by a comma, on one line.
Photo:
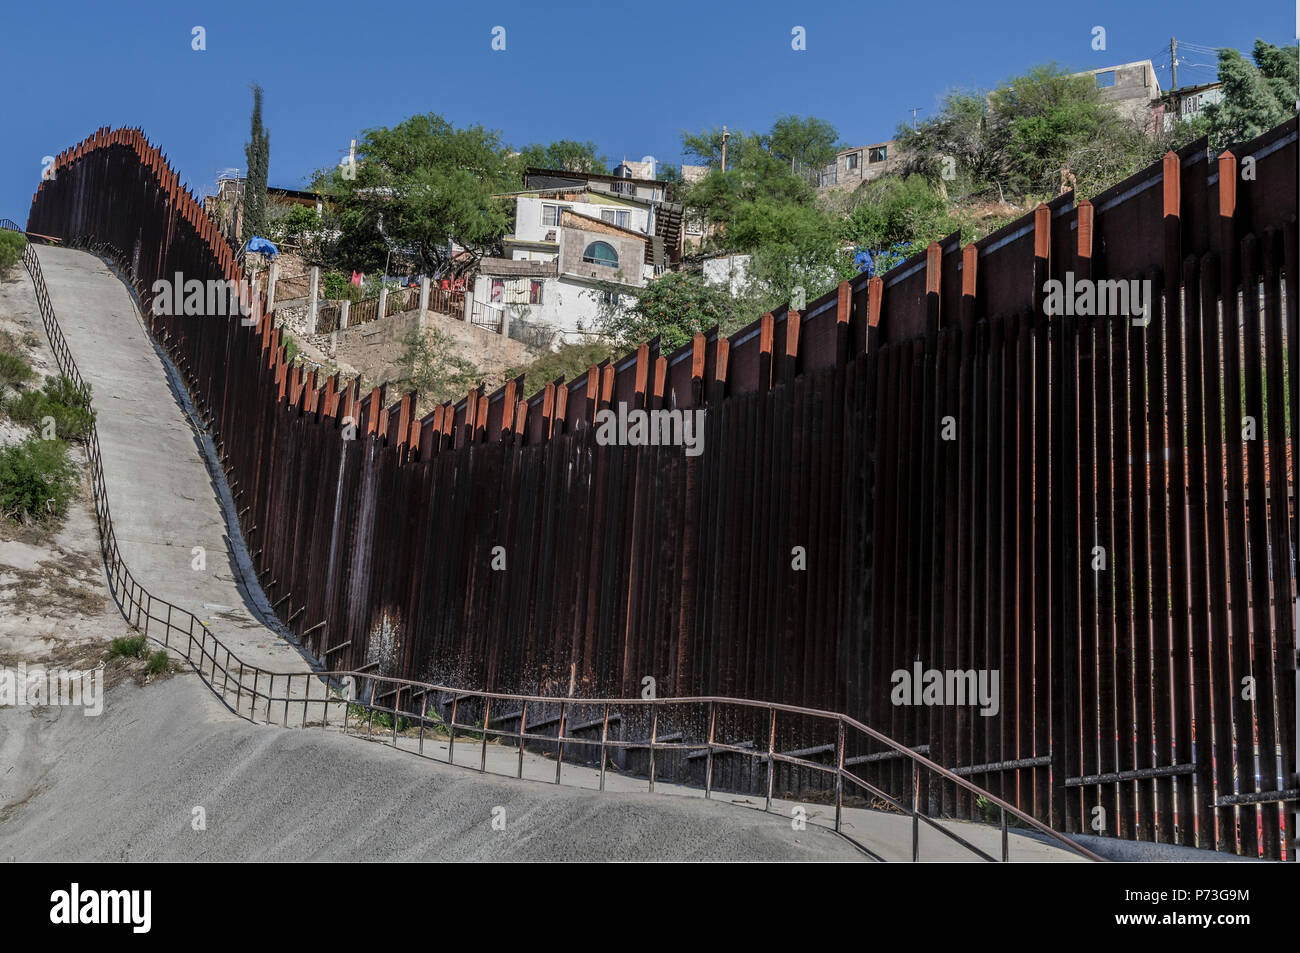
{"points": [[708, 765], [604, 735], [559, 738], [771, 764], [654, 729], [487, 716], [1006, 847], [839, 772], [397, 706], [916, 821], [451, 743], [523, 727]]}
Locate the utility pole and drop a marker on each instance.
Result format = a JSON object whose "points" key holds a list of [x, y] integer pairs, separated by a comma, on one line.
{"points": [[724, 148], [1173, 58]]}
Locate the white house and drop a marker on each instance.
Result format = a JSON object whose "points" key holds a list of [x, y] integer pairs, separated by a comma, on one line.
{"points": [[575, 244]]}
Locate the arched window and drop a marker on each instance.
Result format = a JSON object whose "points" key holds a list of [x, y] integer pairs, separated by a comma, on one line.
{"points": [[601, 253]]}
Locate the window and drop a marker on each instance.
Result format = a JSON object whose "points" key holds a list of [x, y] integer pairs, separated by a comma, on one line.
{"points": [[878, 154], [498, 290], [852, 160], [535, 292], [550, 215], [614, 217], [601, 253], [1106, 80], [607, 215]]}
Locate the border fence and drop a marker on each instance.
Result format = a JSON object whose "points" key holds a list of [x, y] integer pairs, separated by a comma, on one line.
{"points": [[934, 470]]}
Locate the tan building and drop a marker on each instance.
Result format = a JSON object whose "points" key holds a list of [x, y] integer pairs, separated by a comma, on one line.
{"points": [[860, 164]]}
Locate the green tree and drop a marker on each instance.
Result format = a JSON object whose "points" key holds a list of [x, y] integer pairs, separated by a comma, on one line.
{"points": [[896, 216], [795, 250], [420, 186], [1256, 97], [673, 308], [434, 369], [803, 142], [1028, 137], [1049, 121], [954, 148], [566, 154], [257, 152], [755, 176], [667, 172]]}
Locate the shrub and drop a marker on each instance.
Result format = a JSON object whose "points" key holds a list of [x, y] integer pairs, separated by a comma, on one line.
{"points": [[570, 362], [434, 369], [59, 399], [339, 288], [131, 646], [37, 480], [14, 371], [11, 249], [158, 662]]}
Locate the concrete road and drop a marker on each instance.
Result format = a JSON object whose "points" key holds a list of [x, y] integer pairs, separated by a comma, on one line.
{"points": [[163, 498], [125, 786]]}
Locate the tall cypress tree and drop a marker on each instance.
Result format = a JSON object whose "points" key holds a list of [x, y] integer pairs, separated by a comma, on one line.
{"points": [[257, 151]]}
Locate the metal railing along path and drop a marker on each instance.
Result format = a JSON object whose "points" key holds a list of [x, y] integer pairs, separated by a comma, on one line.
{"points": [[255, 696]]}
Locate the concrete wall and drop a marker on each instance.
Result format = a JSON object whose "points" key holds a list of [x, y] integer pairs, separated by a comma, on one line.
{"points": [[375, 349], [569, 306], [730, 271]]}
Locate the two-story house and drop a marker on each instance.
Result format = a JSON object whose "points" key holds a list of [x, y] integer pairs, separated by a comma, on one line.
{"points": [[578, 239]]}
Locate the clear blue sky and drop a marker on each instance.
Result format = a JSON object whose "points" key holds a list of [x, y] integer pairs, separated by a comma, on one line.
{"points": [[629, 76]]}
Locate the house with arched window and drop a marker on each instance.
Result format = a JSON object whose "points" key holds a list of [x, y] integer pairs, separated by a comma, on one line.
{"points": [[574, 249]]}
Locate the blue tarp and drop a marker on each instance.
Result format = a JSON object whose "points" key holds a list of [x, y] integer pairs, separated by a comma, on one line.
{"points": [[256, 244]]}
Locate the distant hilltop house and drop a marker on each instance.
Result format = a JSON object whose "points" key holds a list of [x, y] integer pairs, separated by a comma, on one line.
{"points": [[860, 164], [579, 237], [1135, 92]]}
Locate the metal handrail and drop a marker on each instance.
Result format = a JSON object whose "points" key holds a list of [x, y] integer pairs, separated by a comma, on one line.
{"points": [[213, 661]]}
